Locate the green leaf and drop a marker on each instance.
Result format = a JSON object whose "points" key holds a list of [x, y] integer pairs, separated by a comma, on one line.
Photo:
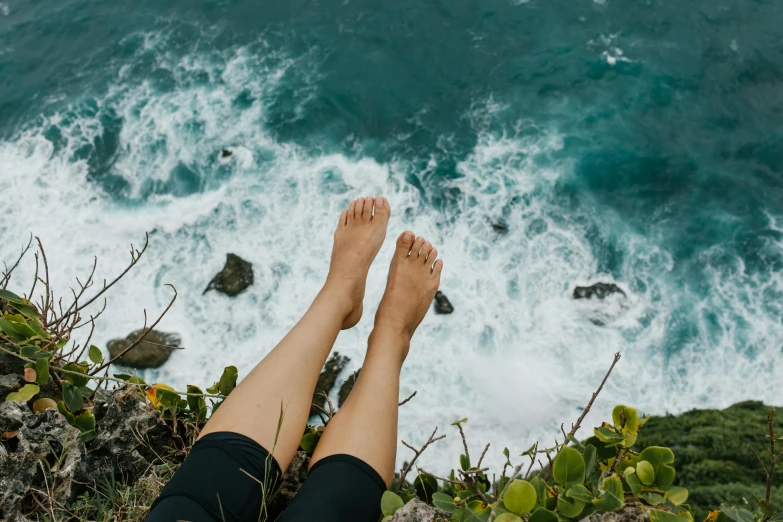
{"points": [[26, 393], [569, 507], [608, 436], [167, 398], [579, 492], [626, 421], [228, 381], [543, 515], [568, 467], [390, 502], [737, 515], [476, 512], [308, 443], [444, 502], [74, 378], [11, 297], [660, 458], [458, 422], [65, 413], [591, 461], [656, 515], [508, 517], [654, 499], [197, 404], [633, 481], [425, 486], [95, 354], [27, 328], [676, 495], [506, 454], [10, 330], [464, 462], [520, 497], [645, 472], [42, 371], [33, 352], [612, 498], [530, 451], [540, 486], [72, 397], [86, 424]]}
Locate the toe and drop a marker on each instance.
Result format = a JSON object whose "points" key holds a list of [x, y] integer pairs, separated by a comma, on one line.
{"points": [[431, 257], [382, 210], [367, 212], [350, 211], [425, 250], [437, 268], [416, 249], [404, 243], [343, 217], [357, 212]]}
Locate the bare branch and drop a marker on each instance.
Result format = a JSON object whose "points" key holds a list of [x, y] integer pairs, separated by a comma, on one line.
{"points": [[412, 395], [7, 272], [141, 337], [478, 464], [418, 452]]}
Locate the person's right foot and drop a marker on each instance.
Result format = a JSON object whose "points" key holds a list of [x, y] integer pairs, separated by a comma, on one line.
{"points": [[414, 277]]}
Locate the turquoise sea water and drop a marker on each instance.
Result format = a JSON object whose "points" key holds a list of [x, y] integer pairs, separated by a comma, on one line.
{"points": [[635, 142]]}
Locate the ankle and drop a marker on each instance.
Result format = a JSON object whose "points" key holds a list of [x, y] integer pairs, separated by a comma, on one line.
{"points": [[337, 298]]}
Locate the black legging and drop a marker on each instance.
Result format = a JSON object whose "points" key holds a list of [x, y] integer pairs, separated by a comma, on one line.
{"points": [[213, 485]]}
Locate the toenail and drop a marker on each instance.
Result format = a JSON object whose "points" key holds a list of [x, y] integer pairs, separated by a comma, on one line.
{"points": [[407, 236]]}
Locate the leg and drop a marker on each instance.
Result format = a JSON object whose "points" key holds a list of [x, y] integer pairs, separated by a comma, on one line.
{"points": [[366, 425], [287, 376]]}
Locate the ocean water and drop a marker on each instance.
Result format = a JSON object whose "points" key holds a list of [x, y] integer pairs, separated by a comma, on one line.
{"points": [[634, 142]]}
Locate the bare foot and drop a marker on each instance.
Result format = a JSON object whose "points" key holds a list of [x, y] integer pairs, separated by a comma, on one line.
{"points": [[414, 277], [359, 235]]}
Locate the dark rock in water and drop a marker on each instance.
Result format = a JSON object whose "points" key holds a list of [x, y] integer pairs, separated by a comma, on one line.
{"points": [[292, 481], [500, 227], [115, 450], [326, 381], [225, 153], [347, 386], [599, 290], [152, 352], [442, 304], [235, 276]]}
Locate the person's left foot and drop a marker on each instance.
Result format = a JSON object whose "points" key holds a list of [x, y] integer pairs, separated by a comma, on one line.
{"points": [[357, 240]]}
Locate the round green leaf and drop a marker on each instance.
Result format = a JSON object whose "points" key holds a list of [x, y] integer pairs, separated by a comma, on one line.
{"points": [[612, 498], [645, 472], [41, 405], [390, 502], [308, 443], [543, 515], [579, 492], [676, 495], [26, 393], [569, 467], [72, 397], [520, 497], [626, 421], [444, 502], [569, 507], [425, 486], [42, 371], [228, 381], [508, 517], [660, 459]]}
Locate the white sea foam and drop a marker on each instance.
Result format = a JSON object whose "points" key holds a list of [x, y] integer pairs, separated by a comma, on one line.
{"points": [[518, 356], [4, 9]]}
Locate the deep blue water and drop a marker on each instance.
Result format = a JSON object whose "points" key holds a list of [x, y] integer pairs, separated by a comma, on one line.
{"points": [[634, 141]]}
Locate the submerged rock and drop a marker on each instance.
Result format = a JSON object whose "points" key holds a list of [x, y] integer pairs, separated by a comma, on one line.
{"points": [[226, 153], [347, 387], [152, 352], [236, 275], [442, 304], [326, 380], [500, 227], [599, 290]]}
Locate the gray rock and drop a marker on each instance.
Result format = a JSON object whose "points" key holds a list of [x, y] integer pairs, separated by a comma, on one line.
{"points": [[347, 387], [442, 304], [326, 380], [152, 352], [9, 383], [226, 153], [418, 511], [292, 481], [500, 227], [599, 290], [234, 278]]}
